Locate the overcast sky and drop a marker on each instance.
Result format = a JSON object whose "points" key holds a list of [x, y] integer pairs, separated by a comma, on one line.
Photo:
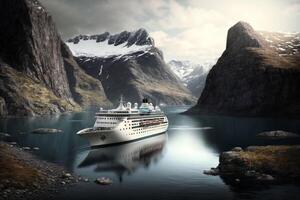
{"points": [[184, 29]]}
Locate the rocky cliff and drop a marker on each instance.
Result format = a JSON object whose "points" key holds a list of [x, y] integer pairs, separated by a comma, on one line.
{"points": [[257, 75], [33, 78], [128, 63], [85, 89]]}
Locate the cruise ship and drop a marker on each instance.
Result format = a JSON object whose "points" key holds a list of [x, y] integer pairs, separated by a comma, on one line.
{"points": [[126, 123]]}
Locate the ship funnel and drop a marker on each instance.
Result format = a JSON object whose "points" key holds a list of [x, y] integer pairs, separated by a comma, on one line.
{"points": [[129, 105], [121, 105]]}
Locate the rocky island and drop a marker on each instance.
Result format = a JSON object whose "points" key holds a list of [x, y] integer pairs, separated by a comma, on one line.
{"points": [[259, 164]]}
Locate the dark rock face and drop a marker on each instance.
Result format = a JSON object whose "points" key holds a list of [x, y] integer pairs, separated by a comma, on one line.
{"points": [[252, 78], [25, 97], [137, 75], [33, 78], [85, 89], [31, 44], [242, 35]]}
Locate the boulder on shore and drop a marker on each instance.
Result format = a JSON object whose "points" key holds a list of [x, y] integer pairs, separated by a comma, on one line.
{"points": [[104, 181], [262, 163]]}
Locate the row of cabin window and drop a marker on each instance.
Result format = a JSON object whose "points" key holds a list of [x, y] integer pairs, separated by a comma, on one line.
{"points": [[140, 131], [136, 129], [106, 123], [108, 118]]}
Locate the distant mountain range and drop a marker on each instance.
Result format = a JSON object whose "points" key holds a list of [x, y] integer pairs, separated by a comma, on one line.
{"points": [[128, 63], [257, 75], [191, 74]]}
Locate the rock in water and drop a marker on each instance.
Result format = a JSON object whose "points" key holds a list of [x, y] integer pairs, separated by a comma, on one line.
{"points": [[278, 134], [3, 135], [212, 172], [103, 181], [254, 77], [261, 163], [237, 149], [46, 131]]}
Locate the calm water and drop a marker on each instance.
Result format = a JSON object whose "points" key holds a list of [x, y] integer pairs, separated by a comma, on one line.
{"points": [[168, 166]]}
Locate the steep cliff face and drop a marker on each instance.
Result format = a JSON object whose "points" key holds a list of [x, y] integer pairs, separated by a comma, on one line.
{"points": [[25, 97], [128, 63], [33, 78], [257, 75], [31, 44], [85, 89]]}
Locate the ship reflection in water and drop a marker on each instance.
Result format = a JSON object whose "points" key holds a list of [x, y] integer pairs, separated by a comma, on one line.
{"points": [[126, 158]]}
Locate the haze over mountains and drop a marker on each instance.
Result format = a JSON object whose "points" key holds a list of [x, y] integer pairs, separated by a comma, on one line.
{"points": [[257, 75], [191, 74], [128, 63]]}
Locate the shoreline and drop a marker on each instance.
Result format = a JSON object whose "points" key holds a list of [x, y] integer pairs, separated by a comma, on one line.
{"points": [[259, 164], [24, 176]]}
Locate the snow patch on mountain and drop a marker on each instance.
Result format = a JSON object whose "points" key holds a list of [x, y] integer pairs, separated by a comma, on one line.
{"points": [[106, 45], [90, 48], [192, 75], [187, 70]]}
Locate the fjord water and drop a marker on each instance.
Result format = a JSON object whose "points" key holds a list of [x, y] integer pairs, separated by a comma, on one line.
{"points": [[167, 166]]}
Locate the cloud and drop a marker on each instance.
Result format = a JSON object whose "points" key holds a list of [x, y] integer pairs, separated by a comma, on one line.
{"points": [[184, 29]]}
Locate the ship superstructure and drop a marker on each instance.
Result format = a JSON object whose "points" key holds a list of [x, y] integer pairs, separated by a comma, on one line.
{"points": [[126, 123]]}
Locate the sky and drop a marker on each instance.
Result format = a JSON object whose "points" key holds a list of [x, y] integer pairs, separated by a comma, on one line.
{"points": [[192, 30]]}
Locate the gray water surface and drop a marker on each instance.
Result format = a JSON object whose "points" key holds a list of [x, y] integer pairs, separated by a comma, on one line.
{"points": [[167, 166]]}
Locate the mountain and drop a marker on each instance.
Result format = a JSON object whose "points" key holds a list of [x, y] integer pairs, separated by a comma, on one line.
{"points": [[38, 74], [258, 74], [128, 63], [192, 75]]}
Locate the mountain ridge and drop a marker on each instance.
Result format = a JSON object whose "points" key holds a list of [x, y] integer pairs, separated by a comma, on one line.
{"points": [[137, 73], [252, 78]]}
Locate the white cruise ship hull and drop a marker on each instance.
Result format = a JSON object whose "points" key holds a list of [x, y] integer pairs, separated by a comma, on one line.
{"points": [[115, 136], [125, 124]]}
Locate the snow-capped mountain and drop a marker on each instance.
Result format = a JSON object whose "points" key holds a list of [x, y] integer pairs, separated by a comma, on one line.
{"points": [[192, 75], [128, 63], [107, 45]]}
